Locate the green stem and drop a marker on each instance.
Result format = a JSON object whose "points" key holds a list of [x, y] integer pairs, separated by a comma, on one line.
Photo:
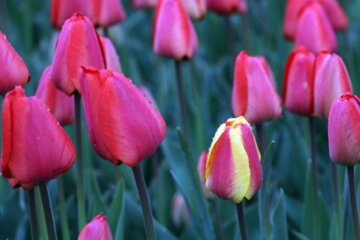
{"points": [[63, 217], [352, 193], [106, 32], [242, 222], [181, 98], [230, 36], [41, 214], [336, 197], [80, 168], [33, 217], [145, 203], [218, 221], [245, 27], [48, 211], [314, 179], [260, 137]]}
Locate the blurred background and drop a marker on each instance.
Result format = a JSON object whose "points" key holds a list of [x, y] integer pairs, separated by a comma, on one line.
{"points": [[208, 81]]}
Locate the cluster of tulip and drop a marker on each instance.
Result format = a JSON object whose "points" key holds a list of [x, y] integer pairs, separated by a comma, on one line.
{"points": [[123, 122]]}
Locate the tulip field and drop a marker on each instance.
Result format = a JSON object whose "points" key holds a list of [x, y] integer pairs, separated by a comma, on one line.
{"points": [[180, 119]]}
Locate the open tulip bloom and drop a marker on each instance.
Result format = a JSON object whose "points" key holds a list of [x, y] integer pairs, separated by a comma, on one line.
{"points": [[233, 167]]}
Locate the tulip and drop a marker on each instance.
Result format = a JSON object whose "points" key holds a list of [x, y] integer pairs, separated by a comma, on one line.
{"points": [[106, 12], [130, 128], [64, 9], [201, 168], [331, 81], [292, 10], [195, 8], [59, 104], [34, 147], [336, 14], [14, 71], [253, 94], [78, 45], [179, 41], [298, 92], [149, 96], [314, 30], [111, 56], [233, 169], [227, 6], [344, 130], [180, 213], [143, 3], [97, 229]]}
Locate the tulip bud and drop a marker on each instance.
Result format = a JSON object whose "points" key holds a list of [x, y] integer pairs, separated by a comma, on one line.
{"points": [[106, 12], [233, 169], [314, 30], [253, 94], [201, 168], [14, 71], [336, 14], [59, 104], [78, 45], [344, 130], [123, 126], [227, 6], [180, 40], [143, 3], [331, 81], [97, 229], [195, 8], [149, 96], [111, 56], [298, 92], [292, 10], [34, 146], [64, 9], [180, 212]]}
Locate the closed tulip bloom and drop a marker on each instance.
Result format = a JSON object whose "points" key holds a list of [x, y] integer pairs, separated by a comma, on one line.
{"points": [[292, 10], [201, 168], [336, 14], [14, 71], [344, 130], [227, 6], [254, 96], [143, 3], [61, 10], [111, 56], [180, 40], [78, 45], [233, 169], [106, 12], [97, 229], [34, 146], [123, 125], [59, 104], [195, 8], [314, 30], [298, 91], [179, 211], [149, 96], [331, 81]]}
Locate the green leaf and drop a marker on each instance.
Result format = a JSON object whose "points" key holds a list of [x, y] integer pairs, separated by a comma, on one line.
{"points": [[279, 223], [98, 205], [117, 208]]}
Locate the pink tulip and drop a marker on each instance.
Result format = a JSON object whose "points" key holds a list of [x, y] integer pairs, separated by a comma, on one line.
{"points": [[179, 211], [14, 71], [123, 126], [253, 94], [178, 41], [298, 92], [336, 14], [314, 30], [201, 168], [111, 56], [233, 169], [227, 6], [78, 45], [149, 96], [195, 8], [34, 146], [61, 10], [59, 104], [292, 10], [331, 81], [344, 130], [143, 3], [97, 229], [106, 12]]}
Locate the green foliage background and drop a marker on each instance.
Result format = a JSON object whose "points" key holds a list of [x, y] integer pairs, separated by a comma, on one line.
{"points": [[285, 198]]}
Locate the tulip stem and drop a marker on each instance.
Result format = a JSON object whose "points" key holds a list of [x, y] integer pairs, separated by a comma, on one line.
{"points": [[241, 218], [47, 210], [106, 32], [64, 221], [181, 98], [230, 36], [218, 221], [314, 179], [336, 197], [33, 217], [79, 161], [259, 128], [145, 203], [355, 214]]}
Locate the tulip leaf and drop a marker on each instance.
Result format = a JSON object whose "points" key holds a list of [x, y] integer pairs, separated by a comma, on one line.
{"points": [[116, 211], [279, 223], [96, 195]]}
